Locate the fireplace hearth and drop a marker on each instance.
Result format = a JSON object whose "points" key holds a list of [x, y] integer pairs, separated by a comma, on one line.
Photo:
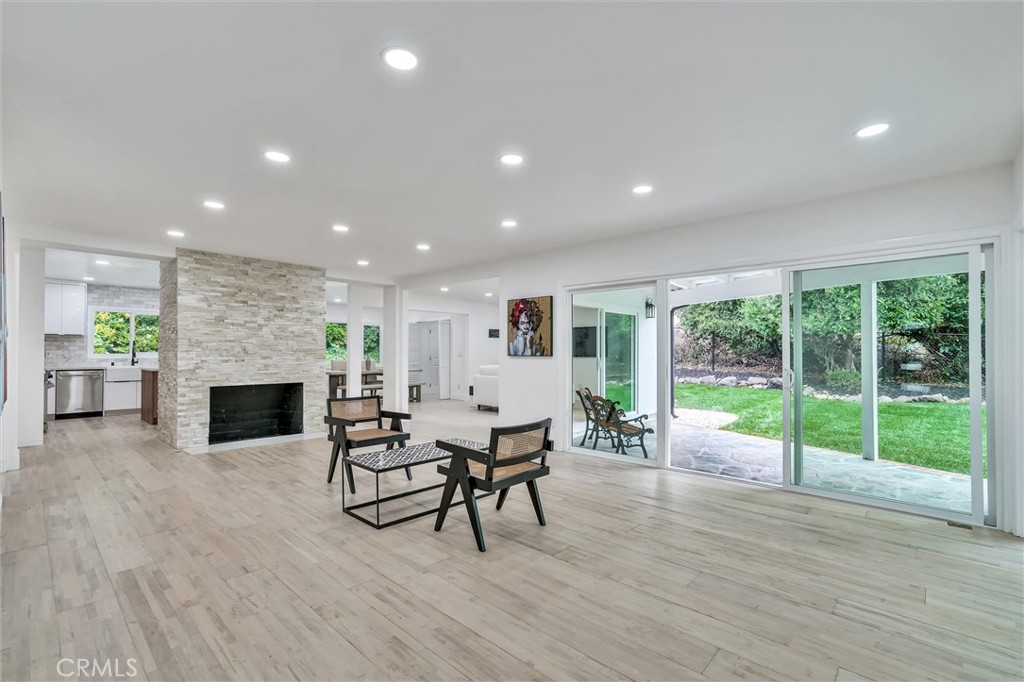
{"points": [[254, 411]]}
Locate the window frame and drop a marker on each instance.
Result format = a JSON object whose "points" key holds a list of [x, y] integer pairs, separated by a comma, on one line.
{"points": [[131, 312]]}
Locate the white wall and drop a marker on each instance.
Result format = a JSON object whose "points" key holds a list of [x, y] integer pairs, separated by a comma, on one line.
{"points": [[584, 370], [9, 456], [940, 208], [30, 347]]}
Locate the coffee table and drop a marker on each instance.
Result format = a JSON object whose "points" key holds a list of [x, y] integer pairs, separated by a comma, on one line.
{"points": [[383, 461]]}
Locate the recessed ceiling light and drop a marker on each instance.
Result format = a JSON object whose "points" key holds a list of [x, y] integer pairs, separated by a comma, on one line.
{"points": [[643, 189], [276, 157], [102, 262], [444, 288], [511, 159], [872, 130], [488, 294], [362, 262], [175, 233], [508, 224], [423, 247], [215, 205], [337, 300], [398, 58], [340, 228], [88, 279]]}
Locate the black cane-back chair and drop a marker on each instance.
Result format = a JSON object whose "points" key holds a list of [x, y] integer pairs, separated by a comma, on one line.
{"points": [[516, 454], [344, 415]]}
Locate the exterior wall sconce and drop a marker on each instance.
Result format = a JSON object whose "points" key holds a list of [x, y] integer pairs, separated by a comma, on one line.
{"points": [[649, 309]]}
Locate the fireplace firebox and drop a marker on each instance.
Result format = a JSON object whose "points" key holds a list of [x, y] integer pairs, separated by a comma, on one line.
{"points": [[254, 411]]}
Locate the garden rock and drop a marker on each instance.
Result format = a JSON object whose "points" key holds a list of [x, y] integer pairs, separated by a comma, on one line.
{"points": [[808, 390], [775, 382], [709, 380], [727, 381], [757, 381], [931, 398], [884, 399], [903, 399]]}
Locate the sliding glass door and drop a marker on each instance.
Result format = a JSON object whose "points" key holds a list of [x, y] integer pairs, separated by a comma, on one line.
{"points": [[886, 373], [614, 365]]}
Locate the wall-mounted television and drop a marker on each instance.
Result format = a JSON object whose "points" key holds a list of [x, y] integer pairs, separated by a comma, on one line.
{"points": [[584, 342]]}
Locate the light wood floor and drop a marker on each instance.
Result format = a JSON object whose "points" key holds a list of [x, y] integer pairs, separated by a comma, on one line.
{"points": [[241, 566]]}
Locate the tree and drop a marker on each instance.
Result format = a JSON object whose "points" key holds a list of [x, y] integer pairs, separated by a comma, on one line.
{"points": [[337, 341]]}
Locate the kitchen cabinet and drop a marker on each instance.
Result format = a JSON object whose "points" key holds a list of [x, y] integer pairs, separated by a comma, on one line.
{"points": [[65, 309], [122, 389], [150, 381]]}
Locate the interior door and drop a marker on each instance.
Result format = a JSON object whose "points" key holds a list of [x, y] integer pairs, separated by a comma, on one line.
{"points": [[885, 393]]}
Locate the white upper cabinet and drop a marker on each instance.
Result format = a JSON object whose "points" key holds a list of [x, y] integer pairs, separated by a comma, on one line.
{"points": [[52, 308], [65, 309]]}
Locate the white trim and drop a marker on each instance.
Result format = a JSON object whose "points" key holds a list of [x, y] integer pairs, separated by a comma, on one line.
{"points": [[974, 378], [626, 459]]}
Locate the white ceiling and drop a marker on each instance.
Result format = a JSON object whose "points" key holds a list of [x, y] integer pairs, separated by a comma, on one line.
{"points": [[119, 119], [120, 271]]}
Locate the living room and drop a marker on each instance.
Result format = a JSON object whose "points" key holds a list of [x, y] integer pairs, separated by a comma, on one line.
{"points": [[499, 206]]}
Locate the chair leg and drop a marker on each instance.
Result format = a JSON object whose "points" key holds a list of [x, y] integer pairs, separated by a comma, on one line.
{"points": [[351, 479], [446, 500], [501, 497], [473, 513], [535, 496], [586, 432], [642, 446], [334, 461]]}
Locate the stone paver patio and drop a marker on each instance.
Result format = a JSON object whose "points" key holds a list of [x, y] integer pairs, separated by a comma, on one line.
{"points": [[751, 458]]}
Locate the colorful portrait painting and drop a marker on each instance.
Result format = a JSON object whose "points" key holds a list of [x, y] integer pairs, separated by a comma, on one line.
{"points": [[529, 326]]}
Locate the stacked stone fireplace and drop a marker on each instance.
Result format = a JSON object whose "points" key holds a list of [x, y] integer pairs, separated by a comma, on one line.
{"points": [[232, 327]]}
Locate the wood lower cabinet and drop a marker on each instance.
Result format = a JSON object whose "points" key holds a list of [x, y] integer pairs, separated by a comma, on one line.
{"points": [[150, 380]]}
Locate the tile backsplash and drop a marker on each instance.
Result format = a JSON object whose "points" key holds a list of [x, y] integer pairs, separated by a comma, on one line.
{"points": [[67, 351]]}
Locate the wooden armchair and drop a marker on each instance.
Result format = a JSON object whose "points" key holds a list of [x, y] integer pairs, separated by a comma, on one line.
{"points": [[623, 433], [343, 416], [508, 461]]}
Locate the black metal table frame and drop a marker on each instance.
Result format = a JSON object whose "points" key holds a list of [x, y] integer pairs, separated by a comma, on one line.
{"points": [[350, 510]]}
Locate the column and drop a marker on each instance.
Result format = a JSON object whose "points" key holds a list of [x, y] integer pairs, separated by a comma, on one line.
{"points": [[394, 349], [356, 301]]}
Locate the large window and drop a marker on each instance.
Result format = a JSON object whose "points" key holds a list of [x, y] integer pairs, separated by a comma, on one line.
{"points": [[114, 330], [337, 342]]}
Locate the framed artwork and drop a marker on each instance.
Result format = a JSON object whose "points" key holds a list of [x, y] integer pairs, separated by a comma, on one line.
{"points": [[494, 333], [584, 342], [529, 326]]}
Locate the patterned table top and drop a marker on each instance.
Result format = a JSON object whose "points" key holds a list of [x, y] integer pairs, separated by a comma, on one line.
{"points": [[397, 458]]}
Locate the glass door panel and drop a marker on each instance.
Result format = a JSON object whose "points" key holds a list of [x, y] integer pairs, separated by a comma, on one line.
{"points": [[620, 359], [614, 353], [886, 397]]}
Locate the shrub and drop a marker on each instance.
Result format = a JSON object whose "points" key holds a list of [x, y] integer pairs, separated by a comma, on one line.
{"points": [[839, 377]]}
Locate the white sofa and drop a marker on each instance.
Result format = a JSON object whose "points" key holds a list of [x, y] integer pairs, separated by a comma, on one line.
{"points": [[485, 387]]}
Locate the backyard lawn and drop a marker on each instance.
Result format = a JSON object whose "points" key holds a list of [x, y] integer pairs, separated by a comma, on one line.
{"points": [[933, 435]]}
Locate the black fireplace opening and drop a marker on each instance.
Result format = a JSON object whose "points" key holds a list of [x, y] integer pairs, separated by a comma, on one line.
{"points": [[254, 411]]}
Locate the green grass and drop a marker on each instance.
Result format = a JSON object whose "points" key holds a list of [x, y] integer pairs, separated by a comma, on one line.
{"points": [[933, 435], [620, 393]]}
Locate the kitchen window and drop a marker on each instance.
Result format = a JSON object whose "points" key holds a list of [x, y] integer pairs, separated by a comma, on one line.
{"points": [[113, 332]]}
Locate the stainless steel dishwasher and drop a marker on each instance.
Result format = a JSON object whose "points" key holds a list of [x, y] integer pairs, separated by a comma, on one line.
{"points": [[79, 393]]}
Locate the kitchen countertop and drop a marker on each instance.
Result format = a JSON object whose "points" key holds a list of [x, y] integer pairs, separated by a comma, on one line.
{"points": [[61, 368]]}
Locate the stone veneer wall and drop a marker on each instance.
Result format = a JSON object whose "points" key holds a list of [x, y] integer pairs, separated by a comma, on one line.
{"points": [[233, 321], [167, 383], [73, 351]]}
